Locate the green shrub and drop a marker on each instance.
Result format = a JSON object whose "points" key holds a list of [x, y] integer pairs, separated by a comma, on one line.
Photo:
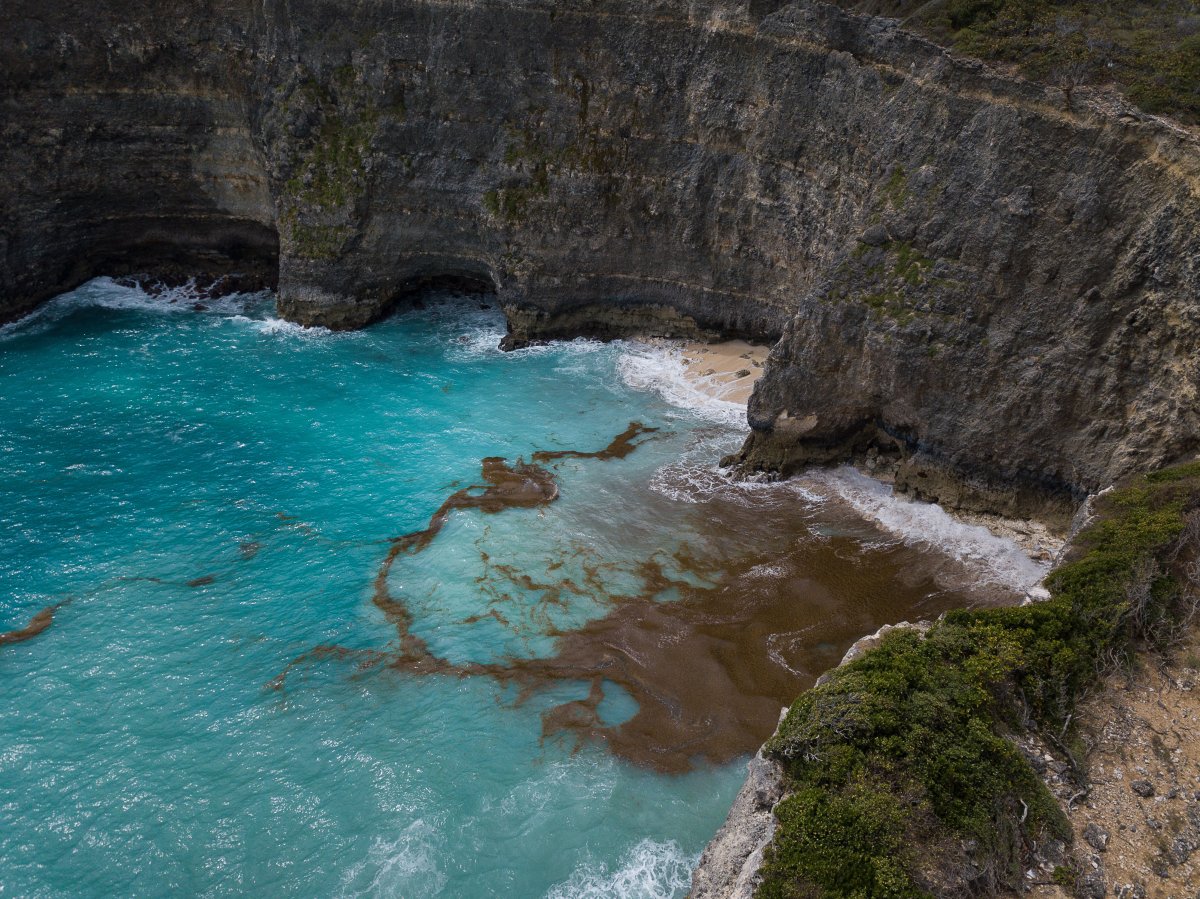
{"points": [[912, 737], [1150, 49], [852, 841]]}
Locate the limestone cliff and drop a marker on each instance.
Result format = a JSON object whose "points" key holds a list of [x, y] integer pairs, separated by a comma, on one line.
{"points": [[1017, 322], [126, 146], [966, 274]]}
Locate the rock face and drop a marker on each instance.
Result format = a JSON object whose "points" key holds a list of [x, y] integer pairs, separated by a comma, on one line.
{"points": [[127, 146], [729, 866], [590, 165], [1017, 320], [996, 290]]}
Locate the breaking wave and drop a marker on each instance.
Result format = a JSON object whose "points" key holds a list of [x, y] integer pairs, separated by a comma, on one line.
{"points": [[996, 559], [661, 369], [650, 870], [107, 293]]}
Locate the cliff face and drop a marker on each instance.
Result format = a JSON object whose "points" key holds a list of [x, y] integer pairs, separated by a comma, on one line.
{"points": [[591, 164], [997, 290], [126, 146], [1017, 320]]}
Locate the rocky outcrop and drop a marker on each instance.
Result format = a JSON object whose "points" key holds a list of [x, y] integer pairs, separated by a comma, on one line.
{"points": [[729, 865], [995, 290]]}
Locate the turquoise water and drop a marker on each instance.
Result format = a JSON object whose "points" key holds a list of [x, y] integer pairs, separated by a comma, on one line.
{"points": [[144, 445], [207, 495]]}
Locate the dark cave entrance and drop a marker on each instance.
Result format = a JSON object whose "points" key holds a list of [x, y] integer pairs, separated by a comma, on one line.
{"points": [[471, 285], [445, 276]]}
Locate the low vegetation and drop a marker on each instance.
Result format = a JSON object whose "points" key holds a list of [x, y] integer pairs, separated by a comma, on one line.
{"points": [[893, 276], [902, 772], [1149, 49]]}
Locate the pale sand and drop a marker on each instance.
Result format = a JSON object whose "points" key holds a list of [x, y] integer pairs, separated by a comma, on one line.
{"points": [[725, 371]]}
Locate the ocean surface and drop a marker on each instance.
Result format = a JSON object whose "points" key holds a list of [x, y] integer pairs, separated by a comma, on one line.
{"points": [[245, 655]]}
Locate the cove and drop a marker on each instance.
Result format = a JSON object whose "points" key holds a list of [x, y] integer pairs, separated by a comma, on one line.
{"points": [[266, 630]]}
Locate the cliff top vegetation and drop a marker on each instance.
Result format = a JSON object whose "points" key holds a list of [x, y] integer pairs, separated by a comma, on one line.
{"points": [[912, 745], [1149, 49]]}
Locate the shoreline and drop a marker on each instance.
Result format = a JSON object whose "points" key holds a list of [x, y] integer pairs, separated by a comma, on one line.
{"points": [[727, 372], [1039, 541]]}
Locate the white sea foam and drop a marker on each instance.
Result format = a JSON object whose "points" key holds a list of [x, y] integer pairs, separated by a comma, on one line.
{"points": [[484, 340], [700, 481], [695, 476], [479, 343], [661, 368], [767, 571], [404, 867], [996, 559], [650, 870], [777, 644], [278, 327], [106, 293]]}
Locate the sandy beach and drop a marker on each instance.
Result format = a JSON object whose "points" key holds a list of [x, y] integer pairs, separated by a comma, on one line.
{"points": [[726, 371]]}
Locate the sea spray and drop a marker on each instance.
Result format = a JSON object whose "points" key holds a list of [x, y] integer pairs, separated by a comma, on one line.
{"points": [[649, 870]]}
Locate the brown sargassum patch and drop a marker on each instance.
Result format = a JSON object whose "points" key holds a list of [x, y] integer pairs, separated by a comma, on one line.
{"points": [[38, 623], [708, 648]]}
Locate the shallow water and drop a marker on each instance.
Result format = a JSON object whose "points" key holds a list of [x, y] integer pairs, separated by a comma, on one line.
{"points": [[247, 685]]}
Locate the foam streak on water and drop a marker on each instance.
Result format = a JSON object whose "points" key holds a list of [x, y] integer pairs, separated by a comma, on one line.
{"points": [[995, 559], [649, 870]]}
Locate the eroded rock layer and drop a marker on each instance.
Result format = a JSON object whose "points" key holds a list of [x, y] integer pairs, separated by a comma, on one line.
{"points": [[969, 275], [127, 146]]}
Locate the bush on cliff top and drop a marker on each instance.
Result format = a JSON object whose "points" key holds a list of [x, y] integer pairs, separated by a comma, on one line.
{"points": [[907, 746], [1150, 49]]}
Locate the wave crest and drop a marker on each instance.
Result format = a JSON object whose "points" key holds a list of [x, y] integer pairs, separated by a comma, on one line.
{"points": [[997, 560], [660, 368], [650, 870], [107, 293]]}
